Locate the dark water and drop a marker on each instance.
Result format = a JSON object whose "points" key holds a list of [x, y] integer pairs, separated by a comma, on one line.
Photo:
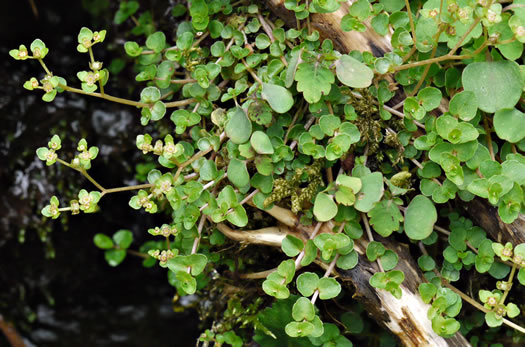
{"points": [[55, 285]]}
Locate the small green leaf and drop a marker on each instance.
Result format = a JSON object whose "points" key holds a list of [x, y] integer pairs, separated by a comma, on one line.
{"points": [[123, 238], [496, 84], [239, 127], [303, 309], [348, 261], [307, 283], [150, 95], [197, 262], [493, 320], [103, 241], [313, 81], [261, 143], [509, 124], [156, 41], [279, 98], [115, 256], [420, 217], [385, 217], [238, 173], [292, 246], [187, 282], [352, 72], [371, 191], [329, 288], [277, 290], [299, 329], [464, 105], [324, 207], [429, 97]]}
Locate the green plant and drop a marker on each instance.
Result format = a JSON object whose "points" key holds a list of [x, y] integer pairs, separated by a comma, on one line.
{"points": [[265, 116]]}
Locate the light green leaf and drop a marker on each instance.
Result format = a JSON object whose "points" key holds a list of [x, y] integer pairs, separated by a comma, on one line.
{"points": [[509, 124], [261, 143], [352, 72], [238, 173], [239, 127], [314, 81], [303, 309], [496, 84], [329, 288], [324, 207], [103, 241], [420, 217], [279, 98], [370, 193]]}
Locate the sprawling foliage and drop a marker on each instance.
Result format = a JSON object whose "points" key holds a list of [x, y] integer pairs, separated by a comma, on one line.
{"points": [[270, 118]]}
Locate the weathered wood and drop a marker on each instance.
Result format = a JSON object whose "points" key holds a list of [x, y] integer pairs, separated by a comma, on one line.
{"points": [[406, 318], [329, 26], [486, 216]]}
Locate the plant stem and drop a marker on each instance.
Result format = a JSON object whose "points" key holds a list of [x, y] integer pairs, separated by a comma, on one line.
{"points": [[301, 255], [125, 101], [472, 26], [127, 188], [411, 19], [481, 307], [41, 61], [489, 138], [195, 157], [370, 237], [197, 239], [137, 254], [509, 284], [330, 267], [250, 70]]}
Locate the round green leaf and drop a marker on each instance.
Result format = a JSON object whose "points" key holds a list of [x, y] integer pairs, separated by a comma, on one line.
{"points": [[261, 143], [329, 288], [239, 127], [352, 72], [123, 238], [324, 207], [279, 98], [156, 41], [307, 283], [296, 329], [277, 290], [238, 173], [464, 105], [303, 309], [348, 261], [496, 84], [115, 256], [429, 97], [389, 260], [509, 124], [292, 246], [420, 217], [370, 193], [521, 276], [187, 282], [103, 241]]}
